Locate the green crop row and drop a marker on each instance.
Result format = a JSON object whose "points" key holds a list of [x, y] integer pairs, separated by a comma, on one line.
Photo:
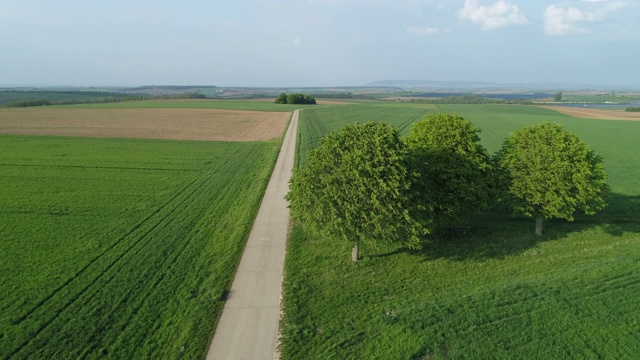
{"points": [[121, 248], [495, 291], [316, 123]]}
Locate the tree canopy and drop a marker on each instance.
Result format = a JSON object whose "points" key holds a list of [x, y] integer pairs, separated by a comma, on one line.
{"points": [[557, 97], [550, 173], [297, 98], [357, 185], [454, 168]]}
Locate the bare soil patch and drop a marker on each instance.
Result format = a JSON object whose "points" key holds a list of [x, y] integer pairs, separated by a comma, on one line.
{"points": [[587, 113], [176, 124]]}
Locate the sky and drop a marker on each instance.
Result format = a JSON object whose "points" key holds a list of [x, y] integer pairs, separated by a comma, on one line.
{"points": [[318, 43]]}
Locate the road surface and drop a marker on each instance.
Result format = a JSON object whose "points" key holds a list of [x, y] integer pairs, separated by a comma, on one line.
{"points": [[248, 326]]}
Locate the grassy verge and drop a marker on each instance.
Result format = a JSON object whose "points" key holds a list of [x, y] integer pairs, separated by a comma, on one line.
{"points": [[121, 248], [494, 292]]}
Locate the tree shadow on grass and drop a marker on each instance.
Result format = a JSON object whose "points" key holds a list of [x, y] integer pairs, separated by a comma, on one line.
{"points": [[496, 234], [622, 215], [400, 250]]}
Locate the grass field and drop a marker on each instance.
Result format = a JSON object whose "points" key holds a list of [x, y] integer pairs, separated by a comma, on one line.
{"points": [[121, 248], [495, 292]]}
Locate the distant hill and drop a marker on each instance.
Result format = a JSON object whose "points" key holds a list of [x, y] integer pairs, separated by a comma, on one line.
{"points": [[433, 85], [428, 84]]}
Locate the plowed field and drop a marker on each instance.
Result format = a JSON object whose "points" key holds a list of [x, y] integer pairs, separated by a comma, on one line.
{"points": [[176, 124], [587, 113]]}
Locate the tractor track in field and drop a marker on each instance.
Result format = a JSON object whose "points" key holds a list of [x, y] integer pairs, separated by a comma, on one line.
{"points": [[97, 167], [192, 188], [409, 121]]}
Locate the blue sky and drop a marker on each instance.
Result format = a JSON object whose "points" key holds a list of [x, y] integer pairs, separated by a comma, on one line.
{"points": [[318, 42]]}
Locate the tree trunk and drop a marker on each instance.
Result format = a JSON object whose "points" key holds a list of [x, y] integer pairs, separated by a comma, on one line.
{"points": [[355, 252], [539, 225]]}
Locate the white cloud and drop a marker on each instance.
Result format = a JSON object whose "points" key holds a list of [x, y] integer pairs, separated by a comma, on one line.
{"points": [[296, 40], [498, 15], [559, 21], [414, 30]]}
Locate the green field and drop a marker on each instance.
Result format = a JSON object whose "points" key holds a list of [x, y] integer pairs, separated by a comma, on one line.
{"points": [[497, 291], [317, 122], [252, 105], [8, 96], [600, 98], [613, 140], [121, 248]]}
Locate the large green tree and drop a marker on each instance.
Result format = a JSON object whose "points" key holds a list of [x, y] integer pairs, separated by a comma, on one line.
{"points": [[550, 173], [455, 170], [357, 185]]}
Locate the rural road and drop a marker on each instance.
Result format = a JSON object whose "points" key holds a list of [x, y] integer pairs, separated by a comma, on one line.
{"points": [[248, 326]]}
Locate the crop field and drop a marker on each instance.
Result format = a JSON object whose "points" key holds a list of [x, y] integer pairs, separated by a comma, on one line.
{"points": [[600, 114], [8, 96], [315, 123], [121, 248], [600, 97], [154, 123], [251, 105], [613, 140], [497, 291]]}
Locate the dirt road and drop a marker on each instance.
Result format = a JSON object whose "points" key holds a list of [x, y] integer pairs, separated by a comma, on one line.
{"points": [[248, 326]]}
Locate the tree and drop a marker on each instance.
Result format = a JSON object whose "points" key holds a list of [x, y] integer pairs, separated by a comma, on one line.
{"points": [[557, 97], [281, 99], [357, 186], [308, 99], [550, 173], [454, 168], [296, 98]]}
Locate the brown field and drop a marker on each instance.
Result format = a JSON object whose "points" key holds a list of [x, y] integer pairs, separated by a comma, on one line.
{"points": [[586, 113], [176, 124], [334, 102]]}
